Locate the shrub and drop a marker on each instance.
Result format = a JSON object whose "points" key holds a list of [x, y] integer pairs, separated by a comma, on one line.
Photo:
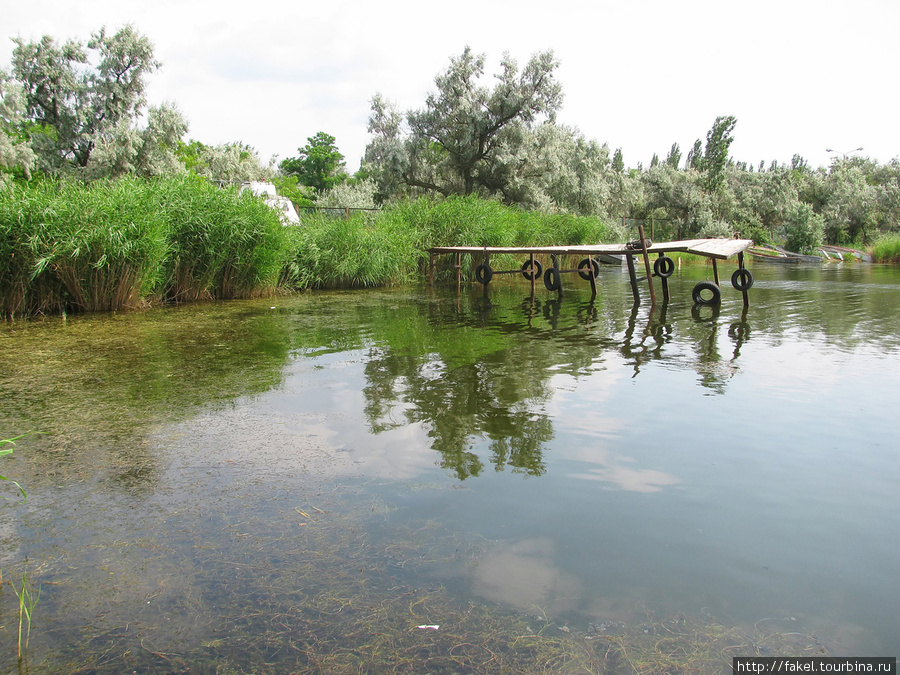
{"points": [[804, 229]]}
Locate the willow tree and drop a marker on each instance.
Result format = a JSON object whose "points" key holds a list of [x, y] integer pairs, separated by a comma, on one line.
{"points": [[82, 103], [469, 138]]}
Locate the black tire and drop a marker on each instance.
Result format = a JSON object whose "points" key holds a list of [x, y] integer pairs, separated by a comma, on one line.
{"points": [[697, 293], [552, 280], [583, 268], [742, 279], [530, 273], [664, 267], [484, 274]]}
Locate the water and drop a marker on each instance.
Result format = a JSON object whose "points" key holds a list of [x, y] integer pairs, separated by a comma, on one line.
{"points": [[295, 483]]}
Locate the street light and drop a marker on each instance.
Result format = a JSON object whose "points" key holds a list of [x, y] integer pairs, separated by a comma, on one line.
{"points": [[843, 154]]}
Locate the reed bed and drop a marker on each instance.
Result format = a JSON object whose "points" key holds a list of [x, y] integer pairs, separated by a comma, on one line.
{"points": [[887, 249], [111, 245]]}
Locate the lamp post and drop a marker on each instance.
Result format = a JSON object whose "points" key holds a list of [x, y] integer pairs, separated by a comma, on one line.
{"points": [[843, 154]]}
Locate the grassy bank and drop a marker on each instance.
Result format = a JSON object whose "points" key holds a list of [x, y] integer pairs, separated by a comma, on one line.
{"points": [[112, 245], [887, 249]]}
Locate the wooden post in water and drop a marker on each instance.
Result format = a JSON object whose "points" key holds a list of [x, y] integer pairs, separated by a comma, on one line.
{"points": [[740, 258], [647, 264], [533, 275], [665, 283], [633, 276], [431, 268]]}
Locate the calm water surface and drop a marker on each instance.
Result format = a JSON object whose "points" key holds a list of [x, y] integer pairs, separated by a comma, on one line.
{"points": [[208, 473]]}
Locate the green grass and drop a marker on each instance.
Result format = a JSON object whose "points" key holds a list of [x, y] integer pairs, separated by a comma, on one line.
{"points": [[887, 249], [111, 245]]}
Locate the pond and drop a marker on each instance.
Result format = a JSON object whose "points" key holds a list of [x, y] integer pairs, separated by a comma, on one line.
{"points": [[427, 480]]}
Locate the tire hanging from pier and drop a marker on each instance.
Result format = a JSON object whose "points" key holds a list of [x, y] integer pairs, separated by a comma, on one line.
{"points": [[742, 279], [484, 274], [552, 280], [697, 293], [531, 274]]}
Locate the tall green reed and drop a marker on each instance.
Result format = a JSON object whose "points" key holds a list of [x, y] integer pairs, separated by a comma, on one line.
{"points": [[223, 244], [887, 249], [116, 244]]}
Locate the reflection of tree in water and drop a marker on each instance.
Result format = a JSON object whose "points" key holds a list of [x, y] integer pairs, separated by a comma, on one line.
{"points": [[497, 397], [482, 368]]}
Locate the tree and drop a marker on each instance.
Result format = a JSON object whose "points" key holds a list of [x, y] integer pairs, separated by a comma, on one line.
{"points": [[320, 165], [468, 138], [16, 154], [804, 229], [227, 163], [715, 155], [85, 97], [673, 159]]}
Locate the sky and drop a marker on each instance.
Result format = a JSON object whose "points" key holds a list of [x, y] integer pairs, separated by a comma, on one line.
{"points": [[799, 76]]}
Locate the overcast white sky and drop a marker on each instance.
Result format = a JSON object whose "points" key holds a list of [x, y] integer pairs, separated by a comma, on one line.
{"points": [[800, 76]]}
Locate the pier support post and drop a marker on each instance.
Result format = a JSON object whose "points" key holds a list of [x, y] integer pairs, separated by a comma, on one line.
{"points": [[629, 258], [740, 257], [647, 264], [665, 282]]}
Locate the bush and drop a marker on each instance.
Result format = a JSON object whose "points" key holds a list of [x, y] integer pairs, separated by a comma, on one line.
{"points": [[804, 229]]}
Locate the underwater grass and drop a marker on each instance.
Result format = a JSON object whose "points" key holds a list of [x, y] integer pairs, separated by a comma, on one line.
{"points": [[337, 602]]}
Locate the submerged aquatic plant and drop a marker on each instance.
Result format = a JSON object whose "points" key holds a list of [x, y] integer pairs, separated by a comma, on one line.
{"points": [[8, 451], [27, 603]]}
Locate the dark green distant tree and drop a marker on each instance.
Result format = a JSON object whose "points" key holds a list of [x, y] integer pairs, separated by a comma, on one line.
{"points": [[618, 162], [715, 156], [673, 159], [694, 159], [320, 165]]}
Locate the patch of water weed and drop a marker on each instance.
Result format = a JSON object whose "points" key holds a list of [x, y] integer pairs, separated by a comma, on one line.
{"points": [[316, 589]]}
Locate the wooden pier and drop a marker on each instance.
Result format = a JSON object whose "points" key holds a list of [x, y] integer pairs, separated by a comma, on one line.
{"points": [[705, 292]]}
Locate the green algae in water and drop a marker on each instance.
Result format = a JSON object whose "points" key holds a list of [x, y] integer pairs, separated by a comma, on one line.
{"points": [[195, 505]]}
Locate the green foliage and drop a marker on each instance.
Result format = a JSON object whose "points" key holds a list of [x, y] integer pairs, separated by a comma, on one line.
{"points": [[715, 156], [84, 101], [115, 244], [289, 186], [390, 246], [27, 603], [319, 165], [4, 450], [468, 139], [887, 249], [229, 163], [223, 244], [804, 229]]}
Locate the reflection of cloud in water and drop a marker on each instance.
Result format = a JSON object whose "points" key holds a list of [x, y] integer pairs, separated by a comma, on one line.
{"points": [[576, 411], [284, 443], [785, 370], [628, 478], [524, 575]]}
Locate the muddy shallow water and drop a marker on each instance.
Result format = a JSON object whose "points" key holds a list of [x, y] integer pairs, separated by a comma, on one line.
{"points": [[298, 484]]}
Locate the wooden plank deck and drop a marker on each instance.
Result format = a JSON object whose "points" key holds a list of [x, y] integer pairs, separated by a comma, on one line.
{"points": [[720, 249]]}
